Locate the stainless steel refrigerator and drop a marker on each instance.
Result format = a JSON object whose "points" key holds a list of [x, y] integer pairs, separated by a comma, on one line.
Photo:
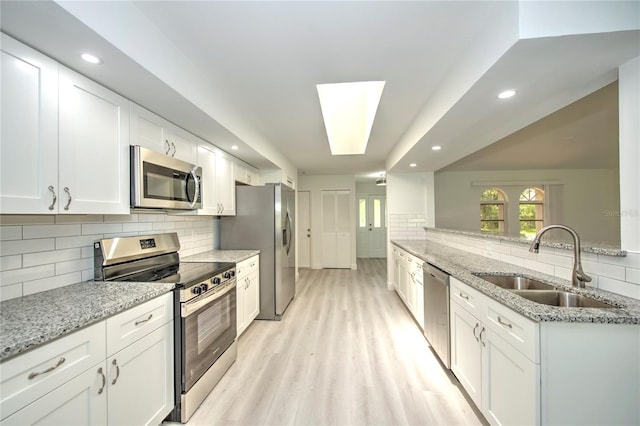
{"points": [[264, 220]]}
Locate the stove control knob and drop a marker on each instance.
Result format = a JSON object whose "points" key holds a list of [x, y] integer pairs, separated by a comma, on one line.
{"points": [[227, 275], [216, 280], [196, 290], [204, 287]]}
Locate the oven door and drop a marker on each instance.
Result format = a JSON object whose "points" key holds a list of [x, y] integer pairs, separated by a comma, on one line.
{"points": [[159, 181], [208, 329]]}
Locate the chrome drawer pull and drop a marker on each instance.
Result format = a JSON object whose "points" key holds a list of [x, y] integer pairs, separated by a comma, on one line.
{"points": [[104, 380], [474, 332], [55, 198], [168, 147], [144, 320], [506, 324], [114, 362], [481, 333], [464, 296], [48, 370]]}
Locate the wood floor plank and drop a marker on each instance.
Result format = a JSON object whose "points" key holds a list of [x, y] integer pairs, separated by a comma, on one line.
{"points": [[347, 352]]}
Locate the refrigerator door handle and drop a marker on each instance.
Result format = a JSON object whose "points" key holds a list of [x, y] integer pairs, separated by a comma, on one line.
{"points": [[289, 228]]}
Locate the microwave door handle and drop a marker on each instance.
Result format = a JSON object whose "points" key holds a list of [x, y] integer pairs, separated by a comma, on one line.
{"points": [[197, 187]]}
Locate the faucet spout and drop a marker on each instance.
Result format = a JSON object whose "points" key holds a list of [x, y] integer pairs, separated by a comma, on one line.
{"points": [[578, 278]]}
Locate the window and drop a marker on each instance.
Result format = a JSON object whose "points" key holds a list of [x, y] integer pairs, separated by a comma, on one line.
{"points": [[362, 212], [492, 204], [531, 211]]}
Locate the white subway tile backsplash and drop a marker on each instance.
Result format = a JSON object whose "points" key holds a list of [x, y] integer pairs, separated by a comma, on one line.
{"points": [[80, 241], [26, 246], [631, 259], [632, 275], [47, 257], [30, 264], [9, 233], [74, 266], [512, 259], [620, 287], [10, 291], [36, 286], [101, 228], [44, 231], [539, 266], [604, 269], [10, 262], [26, 274]]}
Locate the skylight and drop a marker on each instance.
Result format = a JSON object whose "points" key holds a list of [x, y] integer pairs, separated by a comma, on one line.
{"points": [[348, 110]]}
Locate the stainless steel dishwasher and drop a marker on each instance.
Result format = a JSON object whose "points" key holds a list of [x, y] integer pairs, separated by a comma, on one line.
{"points": [[436, 311]]}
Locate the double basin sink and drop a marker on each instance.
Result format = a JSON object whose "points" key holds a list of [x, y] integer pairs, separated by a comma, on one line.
{"points": [[543, 293]]}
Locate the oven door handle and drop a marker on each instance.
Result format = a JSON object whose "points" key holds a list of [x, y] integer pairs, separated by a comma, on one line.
{"points": [[189, 308]]}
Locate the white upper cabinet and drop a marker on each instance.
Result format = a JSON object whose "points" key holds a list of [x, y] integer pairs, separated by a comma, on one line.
{"points": [[226, 184], [157, 134], [93, 147], [244, 173], [29, 144], [64, 139]]}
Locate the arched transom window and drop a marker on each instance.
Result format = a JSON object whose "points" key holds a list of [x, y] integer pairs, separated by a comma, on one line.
{"points": [[492, 208], [531, 211]]}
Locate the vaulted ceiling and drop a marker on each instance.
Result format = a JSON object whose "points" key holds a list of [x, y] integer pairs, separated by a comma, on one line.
{"points": [[245, 72]]}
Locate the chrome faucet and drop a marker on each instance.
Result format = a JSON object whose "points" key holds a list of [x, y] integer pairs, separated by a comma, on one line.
{"points": [[578, 277]]}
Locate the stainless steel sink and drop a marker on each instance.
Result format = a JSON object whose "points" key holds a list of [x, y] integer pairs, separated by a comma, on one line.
{"points": [[561, 298], [515, 282]]}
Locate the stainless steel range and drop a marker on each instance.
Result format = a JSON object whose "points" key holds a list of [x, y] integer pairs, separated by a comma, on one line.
{"points": [[204, 308]]}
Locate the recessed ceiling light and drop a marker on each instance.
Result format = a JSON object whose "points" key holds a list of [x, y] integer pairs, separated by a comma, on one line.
{"points": [[92, 59], [412, 165], [506, 94], [348, 111], [234, 147], [436, 148]]}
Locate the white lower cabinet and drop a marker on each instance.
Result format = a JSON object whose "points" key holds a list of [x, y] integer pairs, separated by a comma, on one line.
{"points": [[247, 292], [519, 372], [408, 282], [74, 380]]}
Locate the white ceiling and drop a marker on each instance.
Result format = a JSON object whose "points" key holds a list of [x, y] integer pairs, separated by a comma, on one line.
{"points": [[245, 72]]}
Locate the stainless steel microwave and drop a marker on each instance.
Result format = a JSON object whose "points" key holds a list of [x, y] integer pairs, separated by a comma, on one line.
{"points": [[162, 182]]}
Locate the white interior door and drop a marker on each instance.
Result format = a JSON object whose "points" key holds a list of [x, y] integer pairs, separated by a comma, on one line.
{"points": [[304, 229], [371, 226], [336, 229]]}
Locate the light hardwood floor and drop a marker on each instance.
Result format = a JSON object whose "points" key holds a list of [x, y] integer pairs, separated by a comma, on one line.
{"points": [[347, 352]]}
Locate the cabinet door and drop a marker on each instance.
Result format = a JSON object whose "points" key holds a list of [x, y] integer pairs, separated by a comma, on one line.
{"points": [[29, 141], [252, 176], [511, 383], [93, 147], [149, 130], [207, 160], [252, 297], [420, 302], [226, 185], [140, 380], [80, 401], [466, 351], [240, 295], [403, 285], [183, 146]]}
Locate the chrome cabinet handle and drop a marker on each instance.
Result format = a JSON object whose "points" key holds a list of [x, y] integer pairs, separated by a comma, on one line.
{"points": [[66, 189], [474, 332], [144, 320], [173, 154], [104, 380], [506, 324], [48, 370], [114, 362], [55, 198], [481, 333], [464, 296], [166, 152]]}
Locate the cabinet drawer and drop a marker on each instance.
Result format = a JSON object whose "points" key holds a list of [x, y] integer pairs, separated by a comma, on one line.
{"points": [[132, 324], [49, 366], [247, 267], [469, 298], [515, 329]]}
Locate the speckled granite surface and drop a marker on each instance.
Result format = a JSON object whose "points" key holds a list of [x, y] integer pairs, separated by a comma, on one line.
{"points": [[585, 246], [33, 320], [462, 265], [221, 256]]}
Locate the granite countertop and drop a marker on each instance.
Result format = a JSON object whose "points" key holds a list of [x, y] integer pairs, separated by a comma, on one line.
{"points": [[234, 256], [30, 321], [463, 265]]}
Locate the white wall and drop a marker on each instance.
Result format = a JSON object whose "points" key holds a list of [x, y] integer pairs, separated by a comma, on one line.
{"points": [[586, 200], [41, 252], [315, 185]]}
